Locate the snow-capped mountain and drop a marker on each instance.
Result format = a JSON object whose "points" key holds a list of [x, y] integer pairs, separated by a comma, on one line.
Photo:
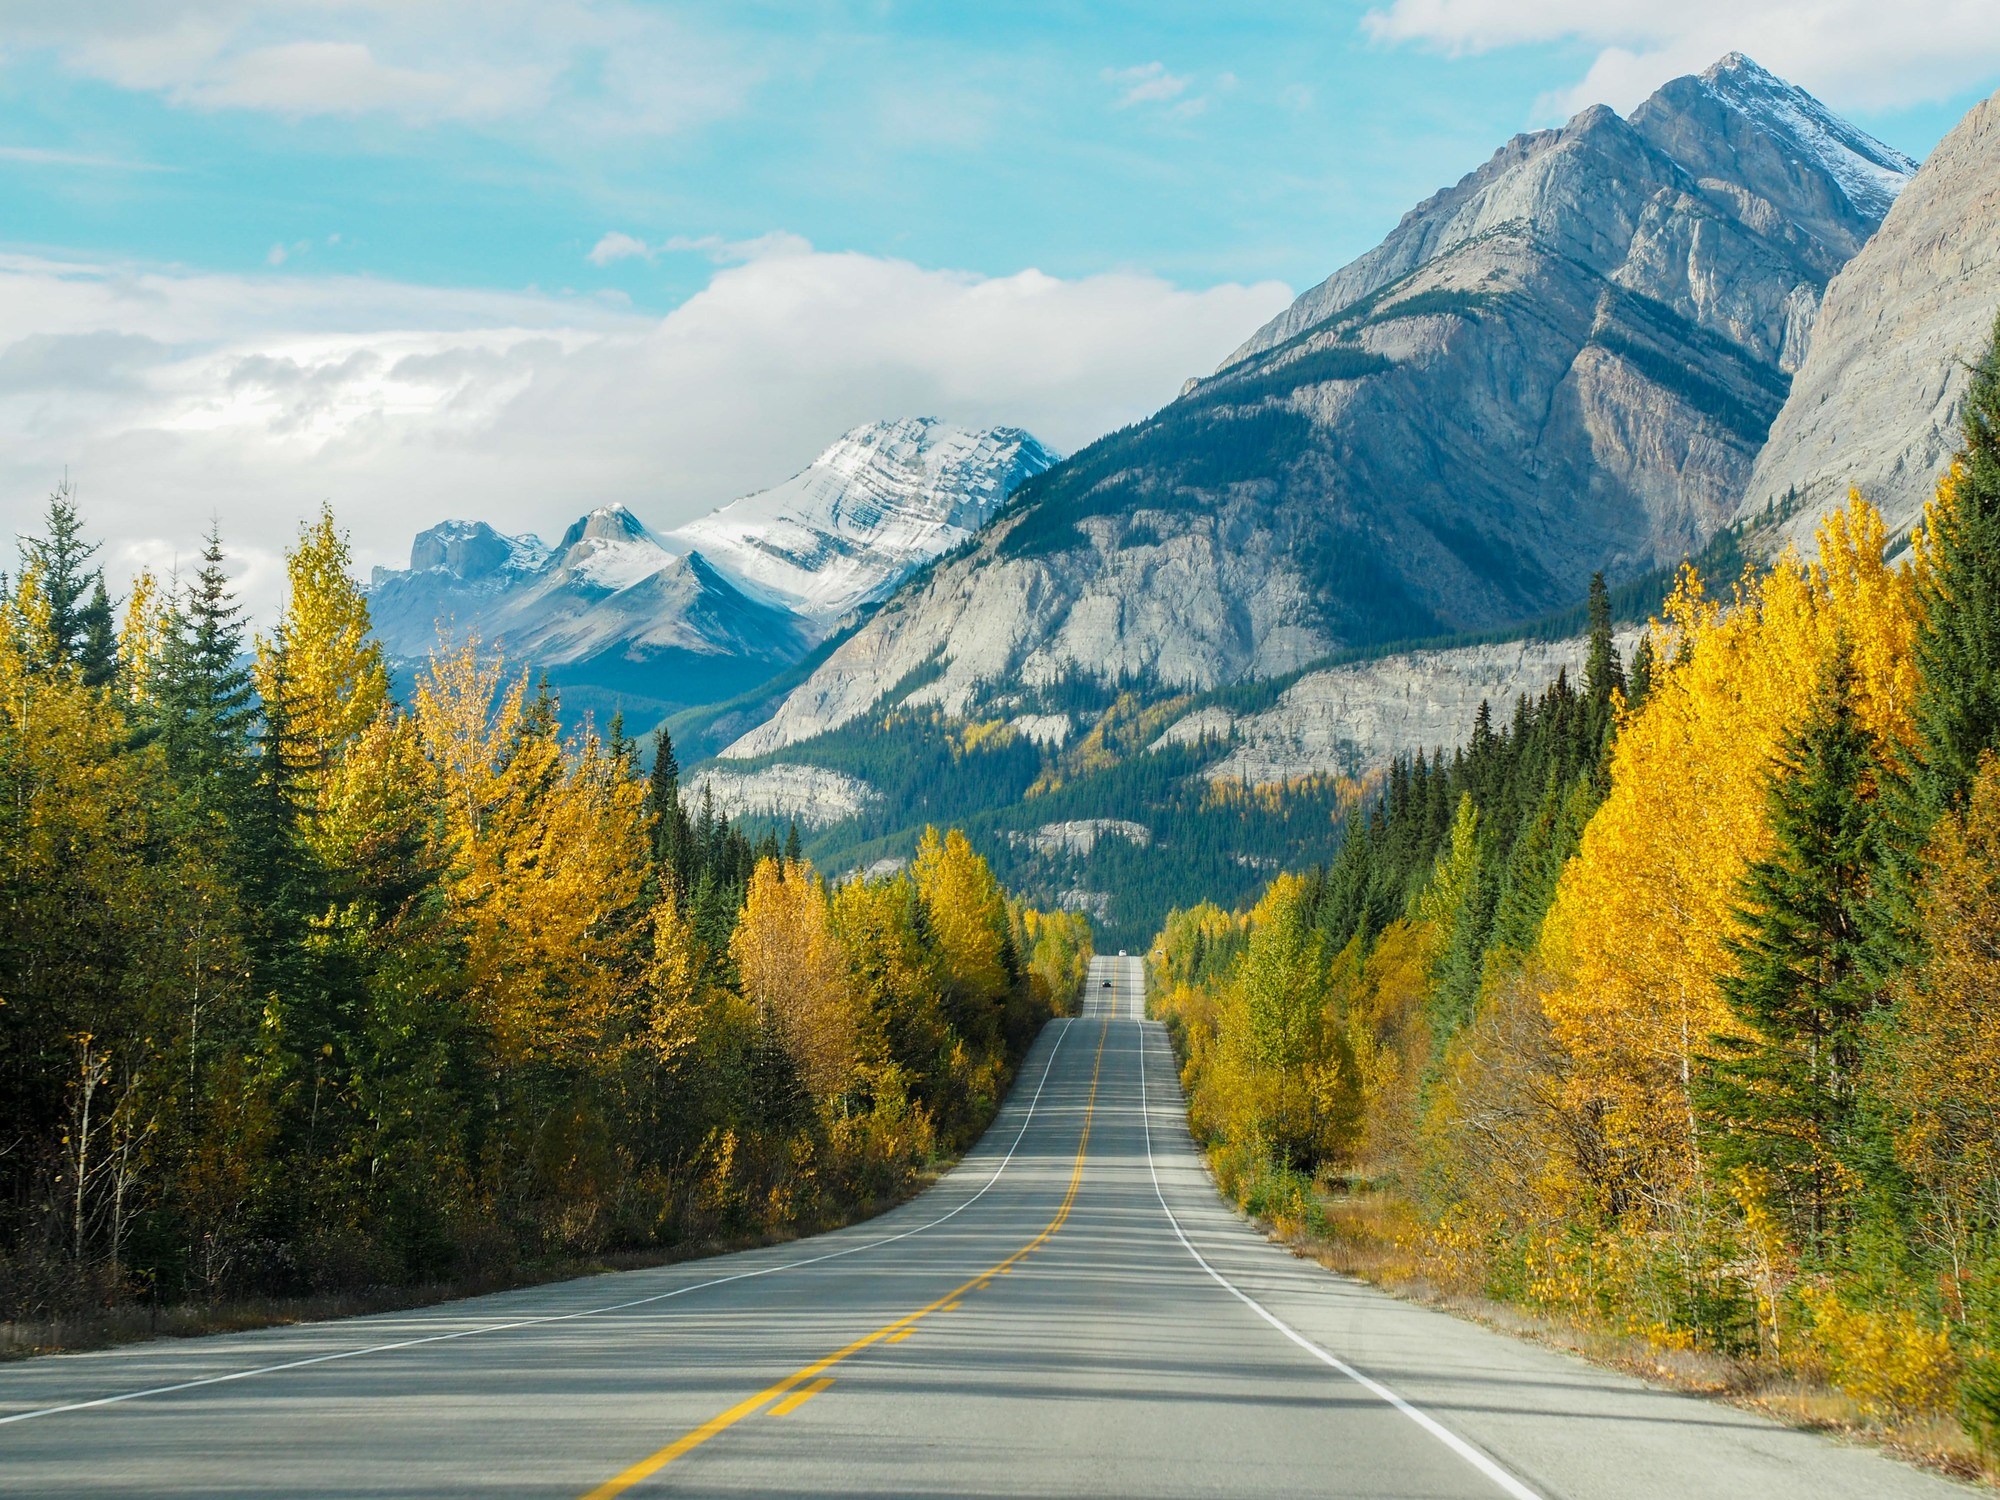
{"points": [[701, 613], [882, 501], [1565, 362], [1870, 173]]}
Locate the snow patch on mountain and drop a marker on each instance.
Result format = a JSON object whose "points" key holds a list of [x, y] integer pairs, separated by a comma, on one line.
{"points": [[1871, 173], [758, 581], [883, 500]]}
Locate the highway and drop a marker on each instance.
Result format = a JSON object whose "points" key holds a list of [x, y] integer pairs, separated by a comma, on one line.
{"points": [[1070, 1312]]}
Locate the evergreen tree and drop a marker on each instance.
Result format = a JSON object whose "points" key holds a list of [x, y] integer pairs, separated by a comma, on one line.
{"points": [[673, 838], [66, 577], [1603, 673], [1643, 666], [204, 702], [1780, 1097], [1957, 710], [1957, 650], [97, 652]]}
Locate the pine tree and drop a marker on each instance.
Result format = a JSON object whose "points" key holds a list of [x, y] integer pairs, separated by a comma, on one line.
{"points": [[673, 836], [1780, 1096], [1958, 644], [204, 701], [61, 559], [1957, 650], [1603, 673], [97, 652]]}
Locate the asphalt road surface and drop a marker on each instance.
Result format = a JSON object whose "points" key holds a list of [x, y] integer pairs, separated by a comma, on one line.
{"points": [[1070, 1312]]}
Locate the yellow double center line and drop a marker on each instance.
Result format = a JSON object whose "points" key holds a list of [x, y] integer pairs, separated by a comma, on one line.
{"points": [[812, 1375]]}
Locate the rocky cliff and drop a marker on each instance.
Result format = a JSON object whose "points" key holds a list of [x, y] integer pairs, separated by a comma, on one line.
{"points": [[1875, 405], [1566, 362]]}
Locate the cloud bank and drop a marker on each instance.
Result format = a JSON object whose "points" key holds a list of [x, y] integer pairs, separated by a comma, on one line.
{"points": [[170, 398], [1858, 54]]}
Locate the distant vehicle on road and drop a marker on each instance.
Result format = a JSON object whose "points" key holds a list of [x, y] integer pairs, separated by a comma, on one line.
{"points": [[1121, 952]]}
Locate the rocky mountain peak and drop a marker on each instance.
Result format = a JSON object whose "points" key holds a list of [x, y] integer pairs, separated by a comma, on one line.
{"points": [[471, 550], [1876, 404], [882, 499], [1737, 123], [607, 523], [1563, 363]]}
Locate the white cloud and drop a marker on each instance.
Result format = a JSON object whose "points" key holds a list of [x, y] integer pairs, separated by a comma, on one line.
{"points": [[1855, 53], [616, 246], [173, 397], [1149, 83], [595, 66]]}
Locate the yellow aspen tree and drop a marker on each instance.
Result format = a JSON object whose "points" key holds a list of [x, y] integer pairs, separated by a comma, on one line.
{"points": [[673, 1020], [795, 973], [968, 914], [547, 860], [321, 673], [141, 636], [1644, 914]]}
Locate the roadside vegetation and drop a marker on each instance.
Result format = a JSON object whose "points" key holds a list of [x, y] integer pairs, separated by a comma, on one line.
{"points": [[310, 998], [1663, 1017]]}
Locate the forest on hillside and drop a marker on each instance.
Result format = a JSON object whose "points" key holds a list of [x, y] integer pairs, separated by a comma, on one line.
{"points": [[1667, 1006], [306, 991]]}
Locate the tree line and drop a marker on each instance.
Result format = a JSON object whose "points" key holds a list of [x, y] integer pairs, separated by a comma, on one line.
{"points": [[1668, 1005], [305, 990]]}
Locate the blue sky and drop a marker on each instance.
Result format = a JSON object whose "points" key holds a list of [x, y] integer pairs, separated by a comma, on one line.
{"points": [[1206, 143], [509, 258]]}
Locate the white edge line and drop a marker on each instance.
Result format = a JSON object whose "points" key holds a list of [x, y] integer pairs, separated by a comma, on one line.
{"points": [[588, 1312], [1480, 1461]]}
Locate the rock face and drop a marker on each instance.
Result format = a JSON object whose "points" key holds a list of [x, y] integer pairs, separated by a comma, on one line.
{"points": [[1875, 404], [1079, 836], [703, 612], [812, 796], [1347, 721], [1566, 362], [882, 501]]}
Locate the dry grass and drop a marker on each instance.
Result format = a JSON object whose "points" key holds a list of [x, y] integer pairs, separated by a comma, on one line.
{"points": [[1369, 1234], [134, 1323]]}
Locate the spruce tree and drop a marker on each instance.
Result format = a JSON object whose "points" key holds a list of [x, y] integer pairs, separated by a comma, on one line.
{"points": [[97, 652], [205, 702], [673, 837], [1957, 650], [1602, 672], [1780, 1097], [67, 576], [1957, 709]]}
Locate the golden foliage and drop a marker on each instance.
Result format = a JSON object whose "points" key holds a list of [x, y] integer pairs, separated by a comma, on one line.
{"points": [[321, 674], [968, 913], [546, 854], [795, 973], [1939, 1072], [1643, 915]]}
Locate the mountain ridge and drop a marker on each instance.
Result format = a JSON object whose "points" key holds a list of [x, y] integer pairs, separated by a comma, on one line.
{"points": [[713, 607], [1564, 363]]}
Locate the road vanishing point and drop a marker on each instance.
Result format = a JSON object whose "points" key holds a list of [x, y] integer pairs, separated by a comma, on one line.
{"points": [[1070, 1312]]}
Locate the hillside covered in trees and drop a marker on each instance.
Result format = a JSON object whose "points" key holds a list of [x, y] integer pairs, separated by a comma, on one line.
{"points": [[303, 990], [1669, 1007]]}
